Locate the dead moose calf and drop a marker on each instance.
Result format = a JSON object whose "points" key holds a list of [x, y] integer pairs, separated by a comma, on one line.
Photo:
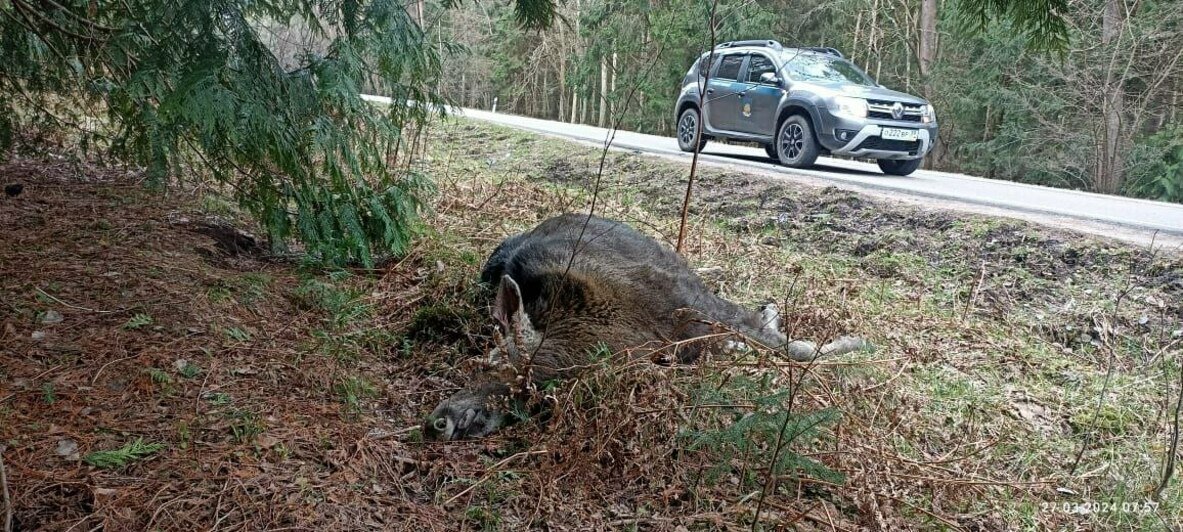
{"points": [[576, 283]]}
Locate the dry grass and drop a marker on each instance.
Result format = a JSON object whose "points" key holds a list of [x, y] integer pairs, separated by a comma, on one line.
{"points": [[289, 398]]}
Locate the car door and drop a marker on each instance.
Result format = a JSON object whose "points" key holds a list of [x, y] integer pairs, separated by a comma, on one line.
{"points": [[722, 105], [759, 99]]}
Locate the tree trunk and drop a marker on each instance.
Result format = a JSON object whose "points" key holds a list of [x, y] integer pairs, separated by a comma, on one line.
{"points": [[603, 90], [1110, 169], [1174, 106], [927, 55], [612, 90], [928, 37], [574, 103], [873, 27], [545, 95], [858, 22], [562, 87]]}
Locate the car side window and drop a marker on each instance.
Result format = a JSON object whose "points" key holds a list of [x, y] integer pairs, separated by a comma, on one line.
{"points": [[758, 66], [729, 67], [704, 64]]}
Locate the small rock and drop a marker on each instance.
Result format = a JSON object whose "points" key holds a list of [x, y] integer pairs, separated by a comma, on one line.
{"points": [[37, 336], [51, 316], [1143, 320], [180, 364], [67, 449]]}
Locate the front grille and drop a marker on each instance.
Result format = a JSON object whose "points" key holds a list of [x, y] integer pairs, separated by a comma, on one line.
{"points": [[879, 143], [881, 109], [887, 116]]}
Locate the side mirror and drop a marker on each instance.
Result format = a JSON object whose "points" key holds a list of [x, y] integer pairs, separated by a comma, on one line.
{"points": [[769, 78]]}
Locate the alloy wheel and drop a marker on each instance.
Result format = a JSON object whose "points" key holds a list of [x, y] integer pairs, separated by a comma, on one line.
{"points": [[792, 141]]}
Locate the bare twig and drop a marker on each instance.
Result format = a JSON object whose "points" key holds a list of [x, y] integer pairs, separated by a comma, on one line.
{"points": [[1107, 342], [973, 293], [698, 134], [492, 471], [4, 490], [1169, 470], [76, 307], [781, 443], [609, 139]]}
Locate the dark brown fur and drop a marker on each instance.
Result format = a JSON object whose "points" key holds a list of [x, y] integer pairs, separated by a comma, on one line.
{"points": [[586, 282]]}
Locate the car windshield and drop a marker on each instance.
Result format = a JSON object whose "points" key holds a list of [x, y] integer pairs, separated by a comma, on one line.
{"points": [[818, 67]]}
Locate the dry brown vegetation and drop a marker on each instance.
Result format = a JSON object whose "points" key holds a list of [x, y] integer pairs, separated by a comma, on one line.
{"points": [[273, 396]]}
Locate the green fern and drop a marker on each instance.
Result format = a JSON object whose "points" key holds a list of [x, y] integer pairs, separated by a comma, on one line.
{"points": [[237, 333], [747, 439], [137, 321], [160, 376], [119, 458]]}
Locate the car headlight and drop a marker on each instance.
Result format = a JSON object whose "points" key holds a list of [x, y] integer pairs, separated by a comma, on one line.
{"points": [[929, 114], [849, 107]]}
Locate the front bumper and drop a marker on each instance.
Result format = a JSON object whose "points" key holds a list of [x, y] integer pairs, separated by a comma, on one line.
{"points": [[867, 142]]}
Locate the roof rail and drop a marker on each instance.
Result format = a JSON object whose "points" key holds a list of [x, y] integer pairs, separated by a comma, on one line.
{"points": [[824, 50], [764, 44]]}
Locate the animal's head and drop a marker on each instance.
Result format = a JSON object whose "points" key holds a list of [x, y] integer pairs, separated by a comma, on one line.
{"points": [[476, 412], [469, 413]]}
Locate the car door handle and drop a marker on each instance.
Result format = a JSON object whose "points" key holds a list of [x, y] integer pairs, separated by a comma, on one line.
{"points": [[710, 91]]}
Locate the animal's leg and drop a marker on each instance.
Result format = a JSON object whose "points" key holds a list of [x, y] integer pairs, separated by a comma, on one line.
{"points": [[770, 315]]}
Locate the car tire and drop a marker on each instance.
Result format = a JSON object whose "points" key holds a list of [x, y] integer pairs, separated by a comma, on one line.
{"points": [[900, 168], [770, 149], [796, 147], [688, 130]]}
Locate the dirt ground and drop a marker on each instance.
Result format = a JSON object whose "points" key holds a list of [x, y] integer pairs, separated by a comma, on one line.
{"points": [[265, 394]]}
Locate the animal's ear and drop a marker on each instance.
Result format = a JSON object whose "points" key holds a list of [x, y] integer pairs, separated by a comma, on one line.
{"points": [[507, 306]]}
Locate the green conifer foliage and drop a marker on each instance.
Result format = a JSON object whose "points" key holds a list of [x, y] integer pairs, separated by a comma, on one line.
{"points": [[180, 88]]}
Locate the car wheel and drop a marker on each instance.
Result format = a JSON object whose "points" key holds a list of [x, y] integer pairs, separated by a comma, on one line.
{"points": [[770, 149], [891, 167], [795, 144], [688, 130]]}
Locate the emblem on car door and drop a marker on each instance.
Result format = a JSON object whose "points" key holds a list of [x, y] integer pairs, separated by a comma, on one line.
{"points": [[897, 110], [747, 109]]}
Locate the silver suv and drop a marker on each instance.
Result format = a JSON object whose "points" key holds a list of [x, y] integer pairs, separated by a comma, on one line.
{"points": [[800, 103]]}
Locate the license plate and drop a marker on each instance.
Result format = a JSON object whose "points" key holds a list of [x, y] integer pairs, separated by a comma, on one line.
{"points": [[899, 134]]}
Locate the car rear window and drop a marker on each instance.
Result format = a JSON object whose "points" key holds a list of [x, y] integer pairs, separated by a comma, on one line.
{"points": [[729, 67]]}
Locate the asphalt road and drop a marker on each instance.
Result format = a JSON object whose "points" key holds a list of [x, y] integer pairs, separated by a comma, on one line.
{"points": [[1129, 219]]}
